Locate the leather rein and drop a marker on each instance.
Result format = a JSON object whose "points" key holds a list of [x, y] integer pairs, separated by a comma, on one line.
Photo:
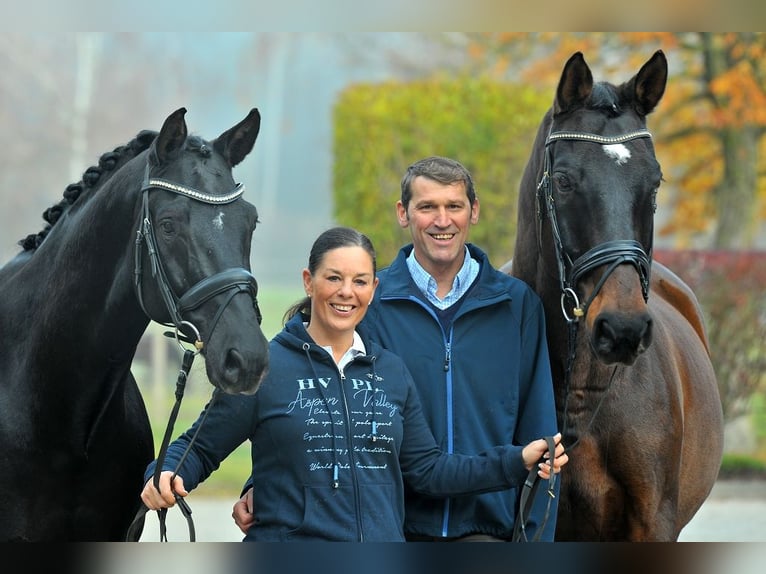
{"points": [[231, 281], [611, 253]]}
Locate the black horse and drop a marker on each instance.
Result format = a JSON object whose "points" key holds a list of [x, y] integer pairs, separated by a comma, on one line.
{"points": [[636, 394], [158, 231]]}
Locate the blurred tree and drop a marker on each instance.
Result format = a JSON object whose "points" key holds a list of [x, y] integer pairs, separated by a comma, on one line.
{"points": [[67, 98], [731, 287], [34, 88]]}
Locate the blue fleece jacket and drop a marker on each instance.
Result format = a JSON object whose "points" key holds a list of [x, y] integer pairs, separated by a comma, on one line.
{"points": [[484, 382], [329, 449]]}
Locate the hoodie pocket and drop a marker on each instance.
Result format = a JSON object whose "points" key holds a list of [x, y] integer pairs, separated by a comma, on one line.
{"points": [[328, 514], [382, 513]]}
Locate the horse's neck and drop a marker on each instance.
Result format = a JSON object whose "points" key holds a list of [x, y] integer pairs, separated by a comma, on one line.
{"points": [[527, 264], [79, 281]]}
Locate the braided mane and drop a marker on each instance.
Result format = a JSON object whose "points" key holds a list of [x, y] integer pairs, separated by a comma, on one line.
{"points": [[94, 177]]}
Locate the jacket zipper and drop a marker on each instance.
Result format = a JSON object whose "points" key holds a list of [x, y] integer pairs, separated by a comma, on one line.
{"points": [[450, 429]]}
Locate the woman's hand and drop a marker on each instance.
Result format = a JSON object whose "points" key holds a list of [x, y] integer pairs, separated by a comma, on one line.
{"points": [[164, 498]]}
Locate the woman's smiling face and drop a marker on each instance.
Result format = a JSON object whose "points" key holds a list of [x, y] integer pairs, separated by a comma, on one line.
{"points": [[341, 289]]}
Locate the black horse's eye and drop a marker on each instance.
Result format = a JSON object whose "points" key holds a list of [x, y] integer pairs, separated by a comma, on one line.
{"points": [[562, 182], [167, 226]]}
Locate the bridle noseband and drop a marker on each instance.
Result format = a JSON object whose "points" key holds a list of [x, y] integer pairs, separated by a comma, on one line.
{"points": [[612, 253]]}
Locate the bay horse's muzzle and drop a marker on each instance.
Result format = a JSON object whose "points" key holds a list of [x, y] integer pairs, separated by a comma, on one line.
{"points": [[618, 319]]}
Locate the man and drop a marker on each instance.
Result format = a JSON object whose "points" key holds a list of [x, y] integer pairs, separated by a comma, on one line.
{"points": [[474, 341]]}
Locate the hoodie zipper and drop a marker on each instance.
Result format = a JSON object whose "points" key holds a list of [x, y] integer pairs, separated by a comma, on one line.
{"points": [[352, 466], [349, 441]]}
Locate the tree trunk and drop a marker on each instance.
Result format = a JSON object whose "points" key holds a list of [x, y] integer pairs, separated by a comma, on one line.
{"points": [[735, 195]]}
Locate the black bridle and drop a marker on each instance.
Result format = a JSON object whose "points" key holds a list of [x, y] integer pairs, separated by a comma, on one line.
{"points": [[612, 253], [236, 280], [231, 281]]}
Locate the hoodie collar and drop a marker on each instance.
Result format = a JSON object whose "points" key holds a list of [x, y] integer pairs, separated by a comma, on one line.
{"points": [[295, 334], [357, 348]]}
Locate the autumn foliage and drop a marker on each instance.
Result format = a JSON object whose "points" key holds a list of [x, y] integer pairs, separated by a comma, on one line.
{"points": [[731, 288], [708, 129]]}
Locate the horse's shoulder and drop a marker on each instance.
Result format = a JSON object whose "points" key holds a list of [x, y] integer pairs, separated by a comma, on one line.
{"points": [[672, 289]]}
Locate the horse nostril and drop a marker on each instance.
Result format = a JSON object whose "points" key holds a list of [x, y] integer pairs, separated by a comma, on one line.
{"points": [[233, 366], [619, 338], [646, 335]]}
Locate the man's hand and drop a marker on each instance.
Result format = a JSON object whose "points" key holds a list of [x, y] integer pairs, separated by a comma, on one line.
{"points": [[242, 513], [539, 449]]}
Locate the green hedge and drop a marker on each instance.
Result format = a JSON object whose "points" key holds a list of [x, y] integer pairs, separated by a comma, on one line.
{"points": [[741, 466], [380, 129]]}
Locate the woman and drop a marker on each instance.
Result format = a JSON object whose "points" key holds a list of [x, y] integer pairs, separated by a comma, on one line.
{"points": [[336, 427]]}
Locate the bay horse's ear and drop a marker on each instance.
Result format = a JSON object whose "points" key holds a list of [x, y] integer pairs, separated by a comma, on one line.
{"points": [[649, 84], [171, 137], [575, 84], [235, 143]]}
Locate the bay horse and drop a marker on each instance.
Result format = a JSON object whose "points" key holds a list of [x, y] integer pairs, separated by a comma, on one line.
{"points": [[636, 396], [159, 231]]}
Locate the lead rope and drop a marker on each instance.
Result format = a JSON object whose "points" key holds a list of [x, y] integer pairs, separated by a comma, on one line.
{"points": [[183, 374], [529, 488], [134, 533], [528, 492]]}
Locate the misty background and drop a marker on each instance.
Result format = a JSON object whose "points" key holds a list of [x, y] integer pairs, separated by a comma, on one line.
{"points": [[67, 98]]}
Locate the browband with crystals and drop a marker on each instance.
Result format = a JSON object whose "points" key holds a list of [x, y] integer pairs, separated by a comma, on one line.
{"points": [[193, 193], [595, 138]]}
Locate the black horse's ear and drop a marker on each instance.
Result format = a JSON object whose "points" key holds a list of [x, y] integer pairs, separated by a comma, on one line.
{"points": [[574, 86], [648, 85], [235, 143], [171, 137]]}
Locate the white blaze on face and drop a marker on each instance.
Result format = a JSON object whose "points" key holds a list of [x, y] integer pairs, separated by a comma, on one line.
{"points": [[618, 152], [218, 221]]}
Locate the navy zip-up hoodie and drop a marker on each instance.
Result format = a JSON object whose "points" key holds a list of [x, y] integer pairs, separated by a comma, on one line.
{"points": [[485, 382], [329, 449]]}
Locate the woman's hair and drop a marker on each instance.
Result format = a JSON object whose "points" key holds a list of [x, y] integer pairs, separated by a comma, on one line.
{"points": [[328, 240]]}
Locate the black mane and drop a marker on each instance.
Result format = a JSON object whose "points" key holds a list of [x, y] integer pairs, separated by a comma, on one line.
{"points": [[93, 177]]}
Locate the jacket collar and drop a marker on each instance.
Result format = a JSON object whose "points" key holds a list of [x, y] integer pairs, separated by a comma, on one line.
{"points": [[396, 280]]}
